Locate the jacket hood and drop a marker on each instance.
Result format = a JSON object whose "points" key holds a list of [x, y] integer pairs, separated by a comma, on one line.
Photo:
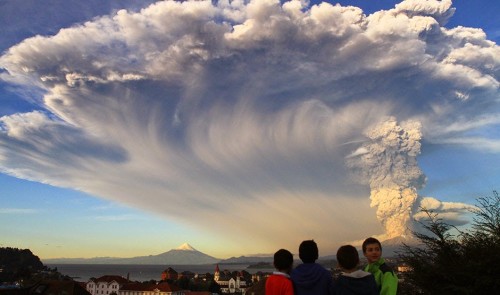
{"points": [[308, 275], [357, 274]]}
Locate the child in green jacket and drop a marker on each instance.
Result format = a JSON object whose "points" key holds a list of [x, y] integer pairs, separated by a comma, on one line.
{"points": [[386, 279]]}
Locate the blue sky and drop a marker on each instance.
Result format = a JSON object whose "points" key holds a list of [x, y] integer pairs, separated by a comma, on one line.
{"points": [[241, 129]]}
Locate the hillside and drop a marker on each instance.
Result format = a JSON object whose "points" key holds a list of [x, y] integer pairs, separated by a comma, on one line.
{"points": [[184, 254], [18, 263]]}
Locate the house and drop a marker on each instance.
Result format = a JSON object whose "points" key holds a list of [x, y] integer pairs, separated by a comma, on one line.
{"points": [[187, 274], [259, 283], [106, 285], [232, 282], [258, 288], [163, 288], [258, 276], [169, 274]]}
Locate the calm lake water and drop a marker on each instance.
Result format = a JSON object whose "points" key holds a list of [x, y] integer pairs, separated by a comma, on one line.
{"points": [[137, 272]]}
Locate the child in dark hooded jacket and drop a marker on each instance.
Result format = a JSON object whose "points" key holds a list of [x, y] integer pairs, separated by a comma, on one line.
{"points": [[353, 281], [310, 278]]}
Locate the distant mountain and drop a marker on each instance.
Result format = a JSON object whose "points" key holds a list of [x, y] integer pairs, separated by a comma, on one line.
{"points": [[268, 258], [391, 247], [247, 260], [182, 255]]}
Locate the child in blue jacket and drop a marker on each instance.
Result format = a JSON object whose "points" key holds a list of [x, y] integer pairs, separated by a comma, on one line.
{"points": [[353, 281], [310, 278]]}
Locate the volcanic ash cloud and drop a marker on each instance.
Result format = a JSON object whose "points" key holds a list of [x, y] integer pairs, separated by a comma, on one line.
{"points": [[232, 110], [387, 162]]}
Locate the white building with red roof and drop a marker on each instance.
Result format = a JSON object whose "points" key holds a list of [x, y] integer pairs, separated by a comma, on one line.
{"points": [[106, 285], [230, 282]]}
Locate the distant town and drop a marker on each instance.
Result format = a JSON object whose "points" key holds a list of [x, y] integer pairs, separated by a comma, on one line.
{"points": [[187, 282], [249, 280]]}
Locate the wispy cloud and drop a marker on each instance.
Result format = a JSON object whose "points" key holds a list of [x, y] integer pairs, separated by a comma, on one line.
{"points": [[479, 143], [123, 217], [234, 117], [18, 211], [105, 207], [464, 125]]}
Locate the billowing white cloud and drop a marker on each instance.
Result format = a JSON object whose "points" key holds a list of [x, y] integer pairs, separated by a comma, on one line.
{"points": [[252, 117], [450, 212]]}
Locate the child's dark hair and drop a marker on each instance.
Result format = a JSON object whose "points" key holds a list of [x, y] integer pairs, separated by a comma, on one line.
{"points": [[308, 251], [347, 257], [283, 259], [370, 240]]}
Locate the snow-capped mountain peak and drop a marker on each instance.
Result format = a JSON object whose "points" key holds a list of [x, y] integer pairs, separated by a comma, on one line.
{"points": [[185, 254], [185, 247]]}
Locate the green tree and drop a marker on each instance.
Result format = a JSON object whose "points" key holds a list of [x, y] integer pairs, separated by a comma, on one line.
{"points": [[183, 283], [462, 263], [214, 287]]}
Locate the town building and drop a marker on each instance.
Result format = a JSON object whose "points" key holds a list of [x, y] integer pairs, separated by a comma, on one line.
{"points": [[187, 275], [232, 282], [163, 288], [169, 274], [258, 276], [106, 285]]}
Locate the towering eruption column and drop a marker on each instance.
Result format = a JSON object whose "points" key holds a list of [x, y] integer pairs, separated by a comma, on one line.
{"points": [[388, 163]]}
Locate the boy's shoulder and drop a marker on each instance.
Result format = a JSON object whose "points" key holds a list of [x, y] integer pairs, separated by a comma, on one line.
{"points": [[278, 276], [379, 266], [384, 267]]}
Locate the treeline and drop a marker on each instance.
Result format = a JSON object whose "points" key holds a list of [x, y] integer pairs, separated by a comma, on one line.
{"points": [[18, 264], [194, 284], [451, 261], [21, 265]]}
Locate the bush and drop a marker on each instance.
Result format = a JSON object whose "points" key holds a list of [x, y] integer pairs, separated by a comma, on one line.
{"points": [[465, 263]]}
